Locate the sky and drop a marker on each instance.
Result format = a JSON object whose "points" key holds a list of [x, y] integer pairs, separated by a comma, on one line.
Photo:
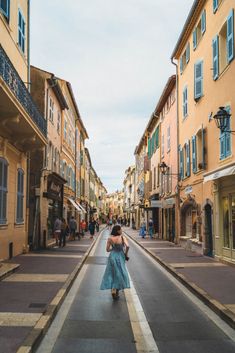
{"points": [[116, 55]]}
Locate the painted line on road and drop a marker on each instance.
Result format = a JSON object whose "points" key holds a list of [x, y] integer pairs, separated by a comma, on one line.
{"points": [[144, 339], [228, 330]]}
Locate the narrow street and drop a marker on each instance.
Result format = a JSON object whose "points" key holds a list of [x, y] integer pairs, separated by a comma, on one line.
{"points": [[157, 314]]}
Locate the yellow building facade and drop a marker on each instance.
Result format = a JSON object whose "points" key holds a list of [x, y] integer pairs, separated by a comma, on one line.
{"points": [[22, 127], [205, 71]]}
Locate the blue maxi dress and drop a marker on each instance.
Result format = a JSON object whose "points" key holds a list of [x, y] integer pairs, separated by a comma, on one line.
{"points": [[115, 275]]}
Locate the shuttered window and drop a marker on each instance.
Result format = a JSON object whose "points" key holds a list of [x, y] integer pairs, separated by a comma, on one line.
{"points": [[20, 197], [215, 5], [198, 80], [185, 102], [181, 160], [215, 48], [195, 39], [21, 31], [194, 154], [230, 36], [203, 22], [188, 169], [187, 53], [5, 8], [225, 140], [3, 190]]}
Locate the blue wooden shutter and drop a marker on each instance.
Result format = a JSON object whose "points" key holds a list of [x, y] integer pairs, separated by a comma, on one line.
{"points": [[198, 79], [228, 137], [21, 31], [20, 196], [185, 102], [215, 49], [188, 159], [222, 145], [181, 158], [215, 5], [187, 53], [5, 8], [203, 149], [3, 190], [194, 153], [195, 39], [203, 22], [230, 36]]}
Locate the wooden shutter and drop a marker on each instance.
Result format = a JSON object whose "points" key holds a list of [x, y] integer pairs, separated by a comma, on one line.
{"points": [[194, 154], [230, 36], [187, 53], [3, 189], [215, 5], [195, 39], [188, 170], [215, 49], [181, 158], [181, 64], [198, 79], [203, 149], [203, 22]]}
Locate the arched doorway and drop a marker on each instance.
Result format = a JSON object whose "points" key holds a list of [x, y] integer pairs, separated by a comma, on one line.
{"points": [[208, 230], [189, 212]]}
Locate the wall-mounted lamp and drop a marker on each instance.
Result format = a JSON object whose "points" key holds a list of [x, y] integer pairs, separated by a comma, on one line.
{"points": [[222, 118]]}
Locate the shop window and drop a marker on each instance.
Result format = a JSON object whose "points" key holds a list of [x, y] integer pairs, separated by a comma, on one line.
{"points": [[3, 190], [20, 197], [226, 234]]}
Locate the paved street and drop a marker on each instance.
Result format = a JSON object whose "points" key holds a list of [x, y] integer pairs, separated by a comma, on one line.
{"points": [[157, 314]]}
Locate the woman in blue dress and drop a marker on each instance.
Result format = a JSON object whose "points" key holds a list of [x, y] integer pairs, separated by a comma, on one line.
{"points": [[116, 276]]}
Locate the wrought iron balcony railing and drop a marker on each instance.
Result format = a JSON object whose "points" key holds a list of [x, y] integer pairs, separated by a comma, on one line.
{"points": [[17, 86]]}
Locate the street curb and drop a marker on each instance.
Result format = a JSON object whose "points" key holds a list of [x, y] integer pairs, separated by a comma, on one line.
{"points": [[35, 336], [224, 313], [10, 271]]}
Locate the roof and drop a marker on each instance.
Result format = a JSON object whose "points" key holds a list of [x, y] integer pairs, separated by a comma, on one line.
{"points": [[76, 108], [196, 7]]}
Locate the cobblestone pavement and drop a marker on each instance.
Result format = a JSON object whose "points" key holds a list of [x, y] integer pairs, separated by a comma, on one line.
{"points": [[209, 279], [32, 287]]}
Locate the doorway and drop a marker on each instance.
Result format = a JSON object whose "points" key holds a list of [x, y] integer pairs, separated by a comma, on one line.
{"points": [[208, 230]]}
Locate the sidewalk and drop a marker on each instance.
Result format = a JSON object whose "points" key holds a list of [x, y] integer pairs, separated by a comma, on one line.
{"points": [[32, 288], [212, 281]]}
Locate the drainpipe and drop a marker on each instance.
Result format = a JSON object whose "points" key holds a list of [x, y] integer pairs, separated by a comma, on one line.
{"points": [[177, 138], [28, 37]]}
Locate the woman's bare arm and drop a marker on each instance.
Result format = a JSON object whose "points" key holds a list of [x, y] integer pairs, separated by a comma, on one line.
{"points": [[126, 244], [108, 245]]}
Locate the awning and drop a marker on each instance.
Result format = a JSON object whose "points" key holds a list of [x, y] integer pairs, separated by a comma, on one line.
{"points": [[220, 174], [81, 208], [74, 204]]}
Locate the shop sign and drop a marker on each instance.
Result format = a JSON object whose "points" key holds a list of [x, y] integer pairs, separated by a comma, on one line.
{"points": [[188, 189], [170, 201], [156, 203], [54, 190]]}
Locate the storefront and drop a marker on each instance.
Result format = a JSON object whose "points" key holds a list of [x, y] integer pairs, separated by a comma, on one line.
{"points": [[52, 202], [168, 212]]}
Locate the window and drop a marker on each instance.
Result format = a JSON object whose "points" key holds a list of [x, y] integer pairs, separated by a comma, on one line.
{"points": [[198, 151], [3, 190], [21, 31], [5, 7], [216, 4], [199, 30], [223, 46], [185, 58], [198, 80], [58, 122], [187, 159], [225, 140], [51, 110], [70, 137], [181, 163], [185, 102], [20, 197], [168, 139]]}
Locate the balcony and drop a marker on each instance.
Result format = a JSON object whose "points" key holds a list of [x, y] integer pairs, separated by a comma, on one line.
{"points": [[20, 120]]}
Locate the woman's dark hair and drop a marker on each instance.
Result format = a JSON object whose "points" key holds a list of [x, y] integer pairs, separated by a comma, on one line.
{"points": [[115, 230]]}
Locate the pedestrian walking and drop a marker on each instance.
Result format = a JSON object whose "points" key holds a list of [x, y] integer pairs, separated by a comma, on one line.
{"points": [[91, 227], [57, 229], [143, 229], [150, 224], [115, 276], [63, 233], [110, 223], [97, 226], [82, 227], [72, 227]]}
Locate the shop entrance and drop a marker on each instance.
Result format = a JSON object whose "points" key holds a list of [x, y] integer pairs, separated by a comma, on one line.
{"points": [[228, 204], [208, 230]]}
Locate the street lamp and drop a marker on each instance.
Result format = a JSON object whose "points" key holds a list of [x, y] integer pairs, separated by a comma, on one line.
{"points": [[163, 168], [222, 119]]}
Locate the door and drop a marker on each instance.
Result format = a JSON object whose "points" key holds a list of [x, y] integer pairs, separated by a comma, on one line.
{"points": [[208, 230], [188, 223]]}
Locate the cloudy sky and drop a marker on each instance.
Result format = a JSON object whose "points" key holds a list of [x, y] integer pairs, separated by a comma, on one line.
{"points": [[116, 54]]}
